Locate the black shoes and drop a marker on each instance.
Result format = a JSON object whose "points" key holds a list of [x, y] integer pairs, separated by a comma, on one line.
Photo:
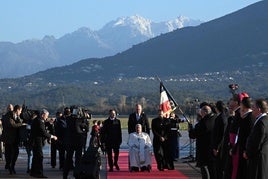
{"points": [[11, 170], [134, 169], [148, 168], [142, 169], [160, 169], [38, 176], [117, 167]]}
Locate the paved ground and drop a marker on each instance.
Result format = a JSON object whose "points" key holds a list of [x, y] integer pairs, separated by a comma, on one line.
{"points": [[187, 168]]}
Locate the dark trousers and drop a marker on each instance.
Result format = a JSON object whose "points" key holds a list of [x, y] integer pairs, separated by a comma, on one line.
{"points": [[174, 146], [71, 150], [159, 157], [163, 156], [219, 167], [62, 153], [109, 151], [209, 171], [53, 153], [11, 154], [29, 157], [37, 161], [205, 172]]}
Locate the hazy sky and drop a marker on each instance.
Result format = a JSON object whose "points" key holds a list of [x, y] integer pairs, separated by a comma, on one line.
{"points": [[33, 19]]}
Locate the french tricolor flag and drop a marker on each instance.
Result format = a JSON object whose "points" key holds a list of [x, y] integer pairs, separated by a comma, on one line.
{"points": [[167, 104]]}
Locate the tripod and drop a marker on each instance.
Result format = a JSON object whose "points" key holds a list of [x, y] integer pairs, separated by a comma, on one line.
{"points": [[195, 107]]}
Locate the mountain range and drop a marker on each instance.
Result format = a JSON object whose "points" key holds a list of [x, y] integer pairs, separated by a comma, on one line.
{"points": [[236, 41], [116, 36]]}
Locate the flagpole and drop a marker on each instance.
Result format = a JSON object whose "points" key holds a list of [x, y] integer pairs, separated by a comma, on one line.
{"points": [[170, 98], [177, 106]]}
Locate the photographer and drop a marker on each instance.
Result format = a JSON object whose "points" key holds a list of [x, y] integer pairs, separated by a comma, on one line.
{"points": [[74, 138]]}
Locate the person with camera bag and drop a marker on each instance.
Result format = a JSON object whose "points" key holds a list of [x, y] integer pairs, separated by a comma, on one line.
{"points": [[74, 138]]}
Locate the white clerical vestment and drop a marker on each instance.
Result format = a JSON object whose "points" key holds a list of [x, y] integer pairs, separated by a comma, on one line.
{"points": [[140, 149]]}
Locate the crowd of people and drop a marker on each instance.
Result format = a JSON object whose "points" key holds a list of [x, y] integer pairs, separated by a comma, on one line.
{"points": [[33, 129], [231, 140]]}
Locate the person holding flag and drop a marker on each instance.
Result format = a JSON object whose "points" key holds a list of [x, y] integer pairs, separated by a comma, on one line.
{"points": [[161, 128], [161, 145], [168, 104]]}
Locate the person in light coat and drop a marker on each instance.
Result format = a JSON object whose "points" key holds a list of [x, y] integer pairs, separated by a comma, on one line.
{"points": [[140, 150]]}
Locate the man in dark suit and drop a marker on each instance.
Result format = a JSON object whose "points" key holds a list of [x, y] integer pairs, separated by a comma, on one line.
{"points": [[138, 117], [60, 127], [38, 136], [161, 145], [112, 138], [218, 138], [202, 132], [257, 142], [11, 124], [50, 127]]}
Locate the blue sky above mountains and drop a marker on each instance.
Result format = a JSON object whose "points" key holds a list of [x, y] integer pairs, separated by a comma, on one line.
{"points": [[31, 19]]}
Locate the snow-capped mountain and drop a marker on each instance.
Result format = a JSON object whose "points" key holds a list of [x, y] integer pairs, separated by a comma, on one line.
{"points": [[116, 36], [168, 26], [127, 31]]}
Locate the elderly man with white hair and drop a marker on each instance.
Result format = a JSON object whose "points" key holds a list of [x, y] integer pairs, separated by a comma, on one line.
{"points": [[140, 150]]}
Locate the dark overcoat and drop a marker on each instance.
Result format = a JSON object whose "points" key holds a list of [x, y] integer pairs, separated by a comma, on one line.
{"points": [[111, 132], [203, 135], [257, 150], [132, 122]]}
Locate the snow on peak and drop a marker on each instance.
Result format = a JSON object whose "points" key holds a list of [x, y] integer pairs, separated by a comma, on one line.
{"points": [[135, 22], [132, 20]]}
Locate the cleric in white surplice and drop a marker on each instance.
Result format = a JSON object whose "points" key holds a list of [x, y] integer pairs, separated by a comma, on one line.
{"points": [[140, 150]]}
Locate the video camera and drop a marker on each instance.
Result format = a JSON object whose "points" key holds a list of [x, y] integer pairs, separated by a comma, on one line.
{"points": [[79, 112]]}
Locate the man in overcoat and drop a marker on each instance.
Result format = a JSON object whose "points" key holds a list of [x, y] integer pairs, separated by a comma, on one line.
{"points": [[257, 143]]}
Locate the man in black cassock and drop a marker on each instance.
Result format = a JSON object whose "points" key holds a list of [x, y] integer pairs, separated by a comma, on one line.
{"points": [[162, 149]]}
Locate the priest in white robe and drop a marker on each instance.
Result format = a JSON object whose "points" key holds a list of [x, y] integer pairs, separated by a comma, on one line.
{"points": [[140, 150]]}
